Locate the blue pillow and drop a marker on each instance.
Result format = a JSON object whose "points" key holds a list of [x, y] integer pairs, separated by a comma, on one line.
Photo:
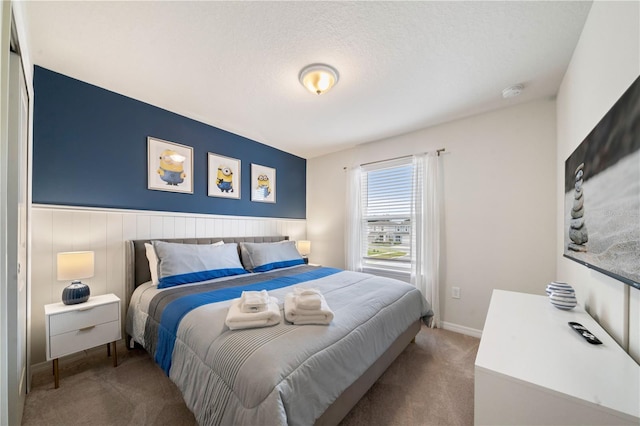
{"points": [[262, 257], [191, 263]]}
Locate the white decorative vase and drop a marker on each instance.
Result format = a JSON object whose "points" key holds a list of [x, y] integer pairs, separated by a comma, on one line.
{"points": [[563, 299]]}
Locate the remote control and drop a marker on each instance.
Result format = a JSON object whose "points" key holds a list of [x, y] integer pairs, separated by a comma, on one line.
{"points": [[581, 330]]}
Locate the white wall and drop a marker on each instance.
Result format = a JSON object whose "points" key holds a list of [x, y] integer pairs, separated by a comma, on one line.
{"points": [[58, 229], [605, 63], [499, 184]]}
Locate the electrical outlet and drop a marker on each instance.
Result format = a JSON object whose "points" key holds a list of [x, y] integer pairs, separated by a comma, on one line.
{"points": [[455, 292]]}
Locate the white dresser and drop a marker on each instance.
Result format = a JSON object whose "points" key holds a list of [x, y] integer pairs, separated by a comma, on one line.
{"points": [[532, 368], [74, 328]]}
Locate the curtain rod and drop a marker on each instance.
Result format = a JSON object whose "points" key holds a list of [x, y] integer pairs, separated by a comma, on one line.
{"points": [[439, 151]]}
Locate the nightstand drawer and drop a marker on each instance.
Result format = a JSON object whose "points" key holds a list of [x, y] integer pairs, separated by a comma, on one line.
{"points": [[81, 318], [84, 338]]}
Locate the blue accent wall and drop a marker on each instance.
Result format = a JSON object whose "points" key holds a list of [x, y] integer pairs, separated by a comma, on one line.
{"points": [[90, 149]]}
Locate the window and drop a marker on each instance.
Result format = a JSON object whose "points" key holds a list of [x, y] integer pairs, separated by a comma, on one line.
{"points": [[393, 221], [386, 191]]}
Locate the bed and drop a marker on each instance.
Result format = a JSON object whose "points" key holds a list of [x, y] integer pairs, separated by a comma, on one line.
{"points": [[283, 374]]}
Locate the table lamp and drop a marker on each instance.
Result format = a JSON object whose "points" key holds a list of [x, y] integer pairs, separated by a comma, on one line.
{"points": [[74, 266], [304, 248]]}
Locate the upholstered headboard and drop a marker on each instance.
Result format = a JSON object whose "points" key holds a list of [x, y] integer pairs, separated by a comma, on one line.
{"points": [[137, 265]]}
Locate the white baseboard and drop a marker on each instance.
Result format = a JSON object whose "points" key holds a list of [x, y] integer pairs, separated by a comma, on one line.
{"points": [[461, 329], [40, 367]]}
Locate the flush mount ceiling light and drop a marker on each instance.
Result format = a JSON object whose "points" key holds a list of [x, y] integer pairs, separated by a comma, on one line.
{"points": [[512, 91], [318, 78]]}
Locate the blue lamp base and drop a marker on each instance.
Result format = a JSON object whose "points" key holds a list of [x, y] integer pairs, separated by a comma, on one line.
{"points": [[75, 293]]}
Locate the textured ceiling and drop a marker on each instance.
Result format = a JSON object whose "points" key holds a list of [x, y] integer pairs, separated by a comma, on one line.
{"points": [[403, 65]]}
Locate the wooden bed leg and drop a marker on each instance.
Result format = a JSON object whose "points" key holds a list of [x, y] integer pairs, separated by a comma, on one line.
{"points": [[56, 374]]}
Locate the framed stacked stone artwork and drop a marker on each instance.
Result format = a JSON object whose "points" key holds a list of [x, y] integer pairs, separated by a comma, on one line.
{"points": [[602, 194]]}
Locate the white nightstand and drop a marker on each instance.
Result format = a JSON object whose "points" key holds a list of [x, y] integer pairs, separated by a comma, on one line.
{"points": [[74, 328]]}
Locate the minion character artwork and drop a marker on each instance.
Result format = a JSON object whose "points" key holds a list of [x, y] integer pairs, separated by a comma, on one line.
{"points": [[263, 188], [171, 168], [225, 176], [224, 180]]}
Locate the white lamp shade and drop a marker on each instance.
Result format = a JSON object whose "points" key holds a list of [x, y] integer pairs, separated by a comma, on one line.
{"points": [[304, 247], [75, 265]]}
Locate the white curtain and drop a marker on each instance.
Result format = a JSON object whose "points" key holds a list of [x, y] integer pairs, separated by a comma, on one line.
{"points": [[353, 230], [426, 218]]}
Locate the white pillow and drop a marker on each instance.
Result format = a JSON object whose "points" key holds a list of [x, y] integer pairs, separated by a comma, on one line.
{"points": [[152, 257], [153, 263]]}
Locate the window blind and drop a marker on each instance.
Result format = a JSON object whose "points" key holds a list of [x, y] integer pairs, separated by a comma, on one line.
{"points": [[386, 215]]}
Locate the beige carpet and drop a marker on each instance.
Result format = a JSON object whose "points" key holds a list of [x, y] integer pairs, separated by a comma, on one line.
{"points": [[431, 383]]}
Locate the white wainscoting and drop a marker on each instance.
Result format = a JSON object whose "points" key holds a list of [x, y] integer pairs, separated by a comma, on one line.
{"points": [[62, 228]]}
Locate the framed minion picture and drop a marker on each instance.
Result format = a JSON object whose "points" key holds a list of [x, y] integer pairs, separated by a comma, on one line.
{"points": [[169, 166], [224, 176], [263, 184]]}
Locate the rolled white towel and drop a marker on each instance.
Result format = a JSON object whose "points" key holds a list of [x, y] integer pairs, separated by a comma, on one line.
{"points": [[237, 320], [292, 313], [254, 301], [308, 298]]}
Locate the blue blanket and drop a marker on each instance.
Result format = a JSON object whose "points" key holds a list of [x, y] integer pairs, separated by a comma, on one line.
{"points": [[175, 310]]}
